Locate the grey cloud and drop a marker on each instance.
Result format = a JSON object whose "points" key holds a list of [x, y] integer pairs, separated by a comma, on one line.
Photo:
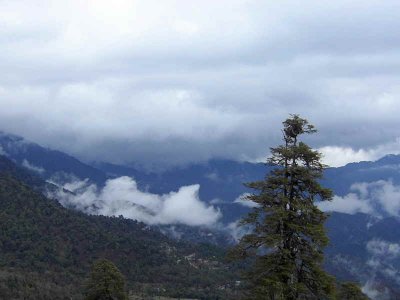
{"points": [[172, 83]]}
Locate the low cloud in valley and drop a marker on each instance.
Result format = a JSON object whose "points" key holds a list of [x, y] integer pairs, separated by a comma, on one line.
{"points": [[379, 198], [121, 196]]}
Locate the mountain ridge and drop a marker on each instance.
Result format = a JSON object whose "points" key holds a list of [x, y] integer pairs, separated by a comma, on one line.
{"points": [[356, 237]]}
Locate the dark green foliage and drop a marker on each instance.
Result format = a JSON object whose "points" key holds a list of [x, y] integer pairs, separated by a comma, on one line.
{"points": [[21, 174], [350, 291], [288, 236], [17, 285], [38, 235], [105, 282]]}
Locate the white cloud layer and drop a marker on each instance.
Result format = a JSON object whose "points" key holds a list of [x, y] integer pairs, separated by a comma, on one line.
{"points": [[350, 204], [336, 156], [172, 82], [121, 196], [375, 198]]}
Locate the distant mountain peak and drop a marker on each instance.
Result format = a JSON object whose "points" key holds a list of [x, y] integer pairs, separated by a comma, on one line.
{"points": [[44, 161], [11, 137], [389, 159]]}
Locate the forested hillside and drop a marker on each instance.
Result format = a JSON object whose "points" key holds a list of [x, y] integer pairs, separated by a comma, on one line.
{"points": [[353, 253], [43, 242]]}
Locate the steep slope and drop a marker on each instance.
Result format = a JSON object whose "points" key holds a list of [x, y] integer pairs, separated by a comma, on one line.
{"points": [[22, 174], [39, 235], [46, 162]]}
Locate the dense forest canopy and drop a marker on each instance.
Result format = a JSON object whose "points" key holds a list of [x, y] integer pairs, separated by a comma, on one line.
{"points": [[40, 237]]}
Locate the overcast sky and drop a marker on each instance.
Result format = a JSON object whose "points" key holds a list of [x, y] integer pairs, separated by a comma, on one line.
{"points": [[165, 82]]}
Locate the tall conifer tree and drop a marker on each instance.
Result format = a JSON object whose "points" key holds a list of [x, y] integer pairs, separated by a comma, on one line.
{"points": [[288, 233]]}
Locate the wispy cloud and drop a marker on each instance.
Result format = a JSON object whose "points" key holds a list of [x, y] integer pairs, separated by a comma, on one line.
{"points": [[244, 201], [32, 167], [382, 255]]}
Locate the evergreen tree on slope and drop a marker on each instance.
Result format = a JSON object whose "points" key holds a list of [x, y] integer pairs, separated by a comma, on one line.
{"points": [[288, 234]]}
